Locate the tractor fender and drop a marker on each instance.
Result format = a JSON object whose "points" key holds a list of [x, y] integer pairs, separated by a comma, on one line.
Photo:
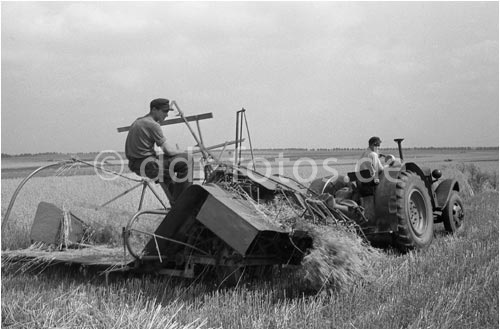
{"points": [[423, 172], [443, 192]]}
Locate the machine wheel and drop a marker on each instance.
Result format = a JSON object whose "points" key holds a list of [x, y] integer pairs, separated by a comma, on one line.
{"points": [[453, 213], [414, 212]]}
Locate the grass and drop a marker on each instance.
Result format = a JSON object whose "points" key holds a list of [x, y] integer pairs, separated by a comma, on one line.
{"points": [[471, 178], [452, 284]]}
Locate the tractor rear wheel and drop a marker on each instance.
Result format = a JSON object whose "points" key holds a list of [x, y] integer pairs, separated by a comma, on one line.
{"points": [[453, 213], [414, 212]]}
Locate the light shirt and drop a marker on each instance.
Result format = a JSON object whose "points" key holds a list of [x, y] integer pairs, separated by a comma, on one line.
{"points": [[369, 160]]}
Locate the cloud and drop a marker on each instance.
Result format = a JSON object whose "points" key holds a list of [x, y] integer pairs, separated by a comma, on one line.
{"points": [[127, 78], [339, 60], [64, 20], [408, 67], [386, 92], [399, 59], [368, 55], [481, 53]]}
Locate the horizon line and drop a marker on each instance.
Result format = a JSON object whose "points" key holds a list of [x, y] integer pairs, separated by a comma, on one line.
{"points": [[268, 148]]}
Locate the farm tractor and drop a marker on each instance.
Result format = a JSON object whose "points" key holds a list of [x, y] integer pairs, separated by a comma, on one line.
{"points": [[402, 206], [222, 226]]}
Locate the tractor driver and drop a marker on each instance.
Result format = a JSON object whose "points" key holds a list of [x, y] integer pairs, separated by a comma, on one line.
{"points": [[370, 159], [171, 169]]}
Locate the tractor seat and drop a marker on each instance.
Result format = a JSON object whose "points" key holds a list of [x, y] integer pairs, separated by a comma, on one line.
{"points": [[364, 181], [366, 175]]}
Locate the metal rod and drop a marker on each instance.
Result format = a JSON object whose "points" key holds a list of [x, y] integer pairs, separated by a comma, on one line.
{"points": [[242, 111], [129, 228], [227, 143], [16, 192], [222, 151], [156, 195], [205, 153], [249, 140], [143, 192], [172, 240], [105, 170], [118, 196], [199, 131], [130, 224], [399, 140], [236, 139], [202, 116]]}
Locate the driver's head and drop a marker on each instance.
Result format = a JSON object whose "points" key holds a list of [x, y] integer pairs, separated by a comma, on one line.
{"points": [[374, 141]]}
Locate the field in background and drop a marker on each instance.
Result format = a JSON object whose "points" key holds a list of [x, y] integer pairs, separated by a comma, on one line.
{"points": [[453, 284], [81, 190], [342, 160]]}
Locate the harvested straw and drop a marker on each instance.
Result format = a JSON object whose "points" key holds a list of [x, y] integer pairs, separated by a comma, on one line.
{"points": [[338, 259], [339, 256], [64, 229]]}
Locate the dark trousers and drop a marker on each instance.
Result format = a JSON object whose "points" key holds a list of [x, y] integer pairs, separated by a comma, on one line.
{"points": [[176, 172]]}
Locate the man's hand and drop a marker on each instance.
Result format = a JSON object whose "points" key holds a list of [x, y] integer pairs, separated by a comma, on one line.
{"points": [[390, 159], [169, 150]]}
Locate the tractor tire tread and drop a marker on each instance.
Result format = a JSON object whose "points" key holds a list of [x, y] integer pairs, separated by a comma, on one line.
{"points": [[405, 239]]}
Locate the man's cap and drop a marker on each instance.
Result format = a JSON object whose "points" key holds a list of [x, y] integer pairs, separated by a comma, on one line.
{"points": [[374, 140], [159, 103]]}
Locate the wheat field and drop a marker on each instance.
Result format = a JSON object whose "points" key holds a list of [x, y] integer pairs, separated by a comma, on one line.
{"points": [[452, 284]]}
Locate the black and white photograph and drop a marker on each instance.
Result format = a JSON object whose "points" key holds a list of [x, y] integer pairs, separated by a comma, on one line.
{"points": [[249, 164]]}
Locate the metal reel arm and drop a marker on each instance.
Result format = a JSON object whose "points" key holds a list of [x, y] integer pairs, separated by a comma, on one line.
{"points": [[129, 228], [16, 192]]}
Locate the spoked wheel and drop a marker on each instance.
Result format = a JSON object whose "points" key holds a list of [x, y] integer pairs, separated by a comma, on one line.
{"points": [[453, 214], [414, 212]]}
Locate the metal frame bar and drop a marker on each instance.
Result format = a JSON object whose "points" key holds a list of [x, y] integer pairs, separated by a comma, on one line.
{"points": [[16, 192], [173, 121], [129, 228]]}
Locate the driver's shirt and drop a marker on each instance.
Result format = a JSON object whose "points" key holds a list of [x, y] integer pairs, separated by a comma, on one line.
{"points": [[369, 160]]}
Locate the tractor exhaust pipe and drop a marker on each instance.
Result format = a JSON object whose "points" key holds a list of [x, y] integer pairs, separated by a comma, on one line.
{"points": [[398, 141]]}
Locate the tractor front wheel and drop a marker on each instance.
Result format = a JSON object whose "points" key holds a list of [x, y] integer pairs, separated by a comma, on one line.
{"points": [[414, 213], [453, 213]]}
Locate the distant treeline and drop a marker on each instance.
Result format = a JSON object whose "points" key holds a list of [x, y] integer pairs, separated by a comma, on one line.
{"points": [[54, 155], [92, 154], [407, 148]]}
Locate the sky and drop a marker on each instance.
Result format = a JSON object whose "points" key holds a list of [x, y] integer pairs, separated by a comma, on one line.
{"points": [[309, 74]]}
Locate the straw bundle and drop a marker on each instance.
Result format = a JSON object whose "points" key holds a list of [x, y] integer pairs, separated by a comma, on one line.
{"points": [[339, 258]]}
